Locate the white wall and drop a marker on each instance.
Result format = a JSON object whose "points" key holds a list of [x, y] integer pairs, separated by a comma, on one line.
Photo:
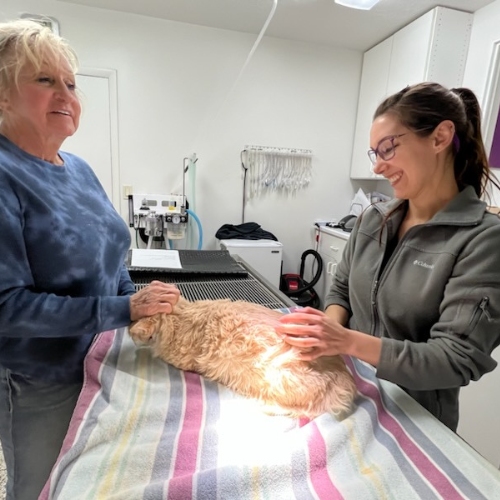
{"points": [[173, 85]]}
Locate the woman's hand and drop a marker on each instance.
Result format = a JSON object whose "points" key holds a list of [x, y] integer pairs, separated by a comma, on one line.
{"points": [[317, 334], [314, 333], [157, 297]]}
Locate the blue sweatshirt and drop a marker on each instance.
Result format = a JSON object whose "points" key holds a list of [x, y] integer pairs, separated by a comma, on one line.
{"points": [[62, 272]]}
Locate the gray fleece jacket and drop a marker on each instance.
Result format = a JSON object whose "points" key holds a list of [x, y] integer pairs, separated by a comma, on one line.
{"points": [[436, 302]]}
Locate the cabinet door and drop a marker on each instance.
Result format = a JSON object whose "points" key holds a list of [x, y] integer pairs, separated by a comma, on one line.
{"points": [[410, 52], [331, 245], [329, 269], [372, 91], [324, 283], [331, 249], [432, 48], [450, 46]]}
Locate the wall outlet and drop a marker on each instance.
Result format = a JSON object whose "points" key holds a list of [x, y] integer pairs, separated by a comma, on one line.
{"points": [[127, 190]]}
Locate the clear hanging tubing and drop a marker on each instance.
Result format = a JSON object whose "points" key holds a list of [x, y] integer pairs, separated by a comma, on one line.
{"points": [[276, 169]]}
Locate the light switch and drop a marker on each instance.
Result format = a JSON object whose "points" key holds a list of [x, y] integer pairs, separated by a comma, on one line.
{"points": [[127, 190]]}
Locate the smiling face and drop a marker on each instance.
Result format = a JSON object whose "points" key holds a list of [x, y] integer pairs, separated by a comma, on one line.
{"points": [[42, 110], [413, 167]]}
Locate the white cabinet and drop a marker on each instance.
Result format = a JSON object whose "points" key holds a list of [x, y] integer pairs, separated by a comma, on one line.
{"points": [[479, 410], [331, 246], [431, 48]]}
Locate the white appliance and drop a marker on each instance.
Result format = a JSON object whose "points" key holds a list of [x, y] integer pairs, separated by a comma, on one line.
{"points": [[263, 255]]}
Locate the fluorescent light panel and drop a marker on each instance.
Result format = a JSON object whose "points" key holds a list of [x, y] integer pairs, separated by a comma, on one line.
{"points": [[358, 4]]}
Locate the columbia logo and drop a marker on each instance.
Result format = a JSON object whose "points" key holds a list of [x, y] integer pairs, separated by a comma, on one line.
{"points": [[423, 264]]}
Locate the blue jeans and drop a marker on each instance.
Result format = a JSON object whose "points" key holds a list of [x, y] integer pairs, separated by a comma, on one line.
{"points": [[34, 418]]}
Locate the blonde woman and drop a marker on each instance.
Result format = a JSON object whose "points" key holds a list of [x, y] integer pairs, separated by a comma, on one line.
{"points": [[63, 246]]}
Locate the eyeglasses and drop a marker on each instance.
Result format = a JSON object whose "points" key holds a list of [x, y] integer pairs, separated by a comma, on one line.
{"points": [[385, 149]]}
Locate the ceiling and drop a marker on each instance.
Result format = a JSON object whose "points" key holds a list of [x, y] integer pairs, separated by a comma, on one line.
{"points": [[315, 21]]}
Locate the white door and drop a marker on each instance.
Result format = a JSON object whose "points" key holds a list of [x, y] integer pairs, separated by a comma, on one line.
{"points": [[95, 140]]}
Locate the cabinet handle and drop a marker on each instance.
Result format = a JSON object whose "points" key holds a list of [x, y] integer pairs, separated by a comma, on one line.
{"points": [[335, 249], [328, 267], [334, 268]]}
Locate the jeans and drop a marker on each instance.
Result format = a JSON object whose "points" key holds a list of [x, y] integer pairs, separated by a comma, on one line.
{"points": [[34, 418]]}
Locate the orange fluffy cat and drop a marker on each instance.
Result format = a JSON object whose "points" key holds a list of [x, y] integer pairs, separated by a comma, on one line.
{"points": [[235, 343]]}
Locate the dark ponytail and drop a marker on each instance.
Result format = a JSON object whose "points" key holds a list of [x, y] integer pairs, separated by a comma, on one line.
{"points": [[471, 162]]}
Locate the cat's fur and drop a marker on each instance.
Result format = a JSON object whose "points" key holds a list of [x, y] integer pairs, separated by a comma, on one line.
{"points": [[235, 343]]}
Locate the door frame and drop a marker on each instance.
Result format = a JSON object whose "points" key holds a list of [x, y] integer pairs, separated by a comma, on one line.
{"points": [[491, 100]]}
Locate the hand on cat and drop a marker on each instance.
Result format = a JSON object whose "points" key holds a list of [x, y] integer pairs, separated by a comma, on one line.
{"points": [[317, 334], [314, 333], [157, 297]]}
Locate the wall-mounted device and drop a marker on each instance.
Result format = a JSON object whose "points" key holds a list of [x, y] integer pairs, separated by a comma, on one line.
{"points": [[161, 216]]}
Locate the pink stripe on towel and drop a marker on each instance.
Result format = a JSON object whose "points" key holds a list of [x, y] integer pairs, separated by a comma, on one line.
{"points": [[181, 484], [318, 470], [91, 385], [428, 470]]}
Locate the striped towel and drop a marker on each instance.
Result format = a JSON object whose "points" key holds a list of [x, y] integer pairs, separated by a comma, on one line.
{"points": [[145, 430]]}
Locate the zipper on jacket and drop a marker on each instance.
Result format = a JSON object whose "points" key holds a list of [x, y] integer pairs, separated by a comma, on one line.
{"points": [[479, 311], [375, 322]]}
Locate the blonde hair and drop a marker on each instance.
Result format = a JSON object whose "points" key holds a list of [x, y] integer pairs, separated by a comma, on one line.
{"points": [[25, 42]]}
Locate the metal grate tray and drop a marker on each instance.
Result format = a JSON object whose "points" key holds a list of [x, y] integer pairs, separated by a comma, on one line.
{"points": [[247, 288]]}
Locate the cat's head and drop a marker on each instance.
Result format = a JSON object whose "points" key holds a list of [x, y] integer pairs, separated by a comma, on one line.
{"points": [[143, 331]]}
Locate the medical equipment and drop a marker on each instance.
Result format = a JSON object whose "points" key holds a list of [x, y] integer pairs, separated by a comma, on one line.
{"points": [[160, 217]]}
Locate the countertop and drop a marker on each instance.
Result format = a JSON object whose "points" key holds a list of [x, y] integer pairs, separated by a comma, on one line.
{"points": [[335, 232]]}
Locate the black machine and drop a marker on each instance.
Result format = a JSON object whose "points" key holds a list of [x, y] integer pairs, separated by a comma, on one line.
{"points": [[300, 291], [346, 223]]}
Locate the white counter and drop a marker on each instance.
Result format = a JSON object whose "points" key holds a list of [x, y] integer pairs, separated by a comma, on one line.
{"points": [[335, 232]]}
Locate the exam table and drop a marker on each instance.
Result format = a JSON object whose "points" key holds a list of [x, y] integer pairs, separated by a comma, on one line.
{"points": [[143, 429]]}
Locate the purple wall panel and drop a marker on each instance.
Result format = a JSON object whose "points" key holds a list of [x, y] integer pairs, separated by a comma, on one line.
{"points": [[495, 146]]}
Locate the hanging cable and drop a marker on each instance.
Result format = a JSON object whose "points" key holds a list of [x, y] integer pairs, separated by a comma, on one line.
{"points": [[255, 45], [240, 74]]}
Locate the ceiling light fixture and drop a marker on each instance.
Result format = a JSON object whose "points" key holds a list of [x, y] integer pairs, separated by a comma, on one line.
{"points": [[358, 4]]}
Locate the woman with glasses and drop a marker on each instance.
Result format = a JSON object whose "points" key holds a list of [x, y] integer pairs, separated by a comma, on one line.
{"points": [[417, 292]]}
